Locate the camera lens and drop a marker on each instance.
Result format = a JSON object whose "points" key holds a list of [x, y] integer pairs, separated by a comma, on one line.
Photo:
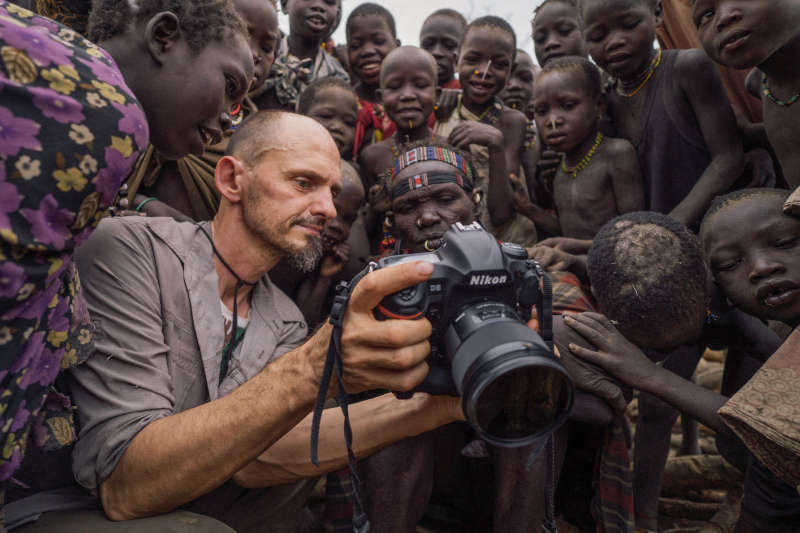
{"points": [[514, 389]]}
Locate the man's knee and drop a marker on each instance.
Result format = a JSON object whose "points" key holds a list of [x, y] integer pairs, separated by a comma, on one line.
{"points": [[95, 521]]}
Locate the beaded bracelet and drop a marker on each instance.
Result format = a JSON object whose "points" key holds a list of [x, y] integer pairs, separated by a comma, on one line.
{"points": [[143, 202]]}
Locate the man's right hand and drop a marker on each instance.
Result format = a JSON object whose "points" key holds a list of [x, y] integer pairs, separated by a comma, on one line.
{"points": [[384, 354]]}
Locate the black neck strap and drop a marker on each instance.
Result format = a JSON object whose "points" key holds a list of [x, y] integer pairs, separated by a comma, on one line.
{"points": [[226, 356]]}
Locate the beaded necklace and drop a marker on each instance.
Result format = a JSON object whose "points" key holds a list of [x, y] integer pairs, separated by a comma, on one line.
{"points": [[653, 66], [586, 159], [768, 92]]}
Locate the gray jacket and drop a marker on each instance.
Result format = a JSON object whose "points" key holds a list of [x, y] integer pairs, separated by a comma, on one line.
{"points": [[153, 297]]}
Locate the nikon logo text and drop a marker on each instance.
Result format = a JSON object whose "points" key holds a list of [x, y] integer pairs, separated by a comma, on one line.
{"points": [[486, 279]]}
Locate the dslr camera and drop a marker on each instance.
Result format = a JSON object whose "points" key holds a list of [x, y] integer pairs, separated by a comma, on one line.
{"points": [[478, 300]]}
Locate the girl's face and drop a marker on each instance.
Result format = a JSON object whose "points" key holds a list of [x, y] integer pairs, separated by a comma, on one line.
{"points": [[484, 63], [441, 36], [753, 250], [369, 40], [557, 33], [262, 26], [619, 35], [337, 110]]}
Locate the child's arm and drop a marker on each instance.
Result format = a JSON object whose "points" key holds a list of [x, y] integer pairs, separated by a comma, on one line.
{"points": [[698, 78], [626, 177]]}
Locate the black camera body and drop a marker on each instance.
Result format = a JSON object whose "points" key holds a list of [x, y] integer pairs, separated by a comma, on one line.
{"points": [[478, 301]]}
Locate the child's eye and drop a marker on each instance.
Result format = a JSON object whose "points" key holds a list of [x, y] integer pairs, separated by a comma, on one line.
{"points": [[569, 104], [539, 111], [787, 243], [629, 24], [595, 36], [539, 38], [230, 85], [566, 29], [704, 17], [726, 266], [351, 122]]}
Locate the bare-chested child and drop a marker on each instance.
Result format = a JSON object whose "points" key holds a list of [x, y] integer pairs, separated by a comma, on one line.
{"points": [[764, 34], [669, 104], [492, 132], [371, 35], [599, 176]]}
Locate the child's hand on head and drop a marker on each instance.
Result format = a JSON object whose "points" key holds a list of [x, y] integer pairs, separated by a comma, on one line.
{"points": [[471, 132], [613, 352]]}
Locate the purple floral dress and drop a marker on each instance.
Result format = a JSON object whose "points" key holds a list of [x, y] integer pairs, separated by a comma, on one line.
{"points": [[70, 132]]}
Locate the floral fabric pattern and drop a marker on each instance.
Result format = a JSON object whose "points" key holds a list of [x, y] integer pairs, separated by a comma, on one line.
{"points": [[70, 132]]}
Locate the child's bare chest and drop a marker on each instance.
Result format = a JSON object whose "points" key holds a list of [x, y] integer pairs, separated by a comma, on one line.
{"points": [[783, 129]]}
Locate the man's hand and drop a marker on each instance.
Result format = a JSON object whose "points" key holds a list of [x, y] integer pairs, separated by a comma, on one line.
{"points": [[384, 354], [471, 132], [614, 353]]}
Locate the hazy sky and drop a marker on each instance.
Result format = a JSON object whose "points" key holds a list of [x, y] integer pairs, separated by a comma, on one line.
{"points": [[410, 14]]}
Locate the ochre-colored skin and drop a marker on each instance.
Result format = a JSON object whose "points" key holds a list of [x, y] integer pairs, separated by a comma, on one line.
{"points": [[567, 114], [745, 34]]}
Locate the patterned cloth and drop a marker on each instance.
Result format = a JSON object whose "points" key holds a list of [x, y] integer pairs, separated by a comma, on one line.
{"points": [[371, 116], [765, 413], [289, 74], [70, 131]]}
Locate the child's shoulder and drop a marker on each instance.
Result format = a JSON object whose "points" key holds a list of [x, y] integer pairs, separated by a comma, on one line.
{"points": [[377, 153], [618, 147], [513, 116], [693, 65]]}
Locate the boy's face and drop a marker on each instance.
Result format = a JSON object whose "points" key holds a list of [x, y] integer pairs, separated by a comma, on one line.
{"points": [[424, 215], [369, 40], [313, 18], [337, 110], [557, 33], [262, 26], [190, 116], [619, 35], [481, 80], [441, 35], [347, 203], [744, 33], [565, 111], [519, 88], [408, 87], [754, 253]]}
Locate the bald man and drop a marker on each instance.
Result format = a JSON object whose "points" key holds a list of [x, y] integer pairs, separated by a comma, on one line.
{"points": [[198, 393]]}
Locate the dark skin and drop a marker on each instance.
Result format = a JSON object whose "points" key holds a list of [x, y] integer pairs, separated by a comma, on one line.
{"points": [[337, 109], [156, 63], [262, 27], [408, 94], [619, 36], [567, 115], [484, 65], [557, 33], [441, 36], [519, 88], [750, 245], [424, 215], [745, 34], [369, 40], [310, 23]]}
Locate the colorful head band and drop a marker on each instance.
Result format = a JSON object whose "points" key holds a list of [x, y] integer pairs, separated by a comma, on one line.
{"points": [[464, 178]]}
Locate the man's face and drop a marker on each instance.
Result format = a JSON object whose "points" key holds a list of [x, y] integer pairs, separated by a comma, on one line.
{"points": [[289, 193]]}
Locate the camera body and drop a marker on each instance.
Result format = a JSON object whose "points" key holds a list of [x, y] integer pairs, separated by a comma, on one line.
{"points": [[478, 301]]}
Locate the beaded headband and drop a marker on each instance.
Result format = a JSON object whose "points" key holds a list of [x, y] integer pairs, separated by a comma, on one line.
{"points": [[428, 153]]}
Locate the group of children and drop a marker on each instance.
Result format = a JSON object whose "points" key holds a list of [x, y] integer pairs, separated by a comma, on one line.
{"points": [[604, 126]]}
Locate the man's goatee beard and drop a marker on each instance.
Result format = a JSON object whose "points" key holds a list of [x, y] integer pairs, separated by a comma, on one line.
{"points": [[307, 258]]}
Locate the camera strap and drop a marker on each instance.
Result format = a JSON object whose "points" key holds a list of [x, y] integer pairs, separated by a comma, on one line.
{"points": [[544, 308], [334, 362]]}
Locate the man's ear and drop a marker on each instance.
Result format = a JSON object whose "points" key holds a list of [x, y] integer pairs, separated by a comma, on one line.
{"points": [[162, 32], [659, 14], [228, 178]]}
